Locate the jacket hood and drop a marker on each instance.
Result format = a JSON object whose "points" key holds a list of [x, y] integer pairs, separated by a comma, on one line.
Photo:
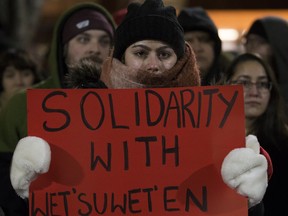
{"points": [[57, 66], [276, 33], [197, 19]]}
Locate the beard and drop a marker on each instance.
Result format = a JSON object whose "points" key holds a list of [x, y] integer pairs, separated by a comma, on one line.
{"points": [[85, 74]]}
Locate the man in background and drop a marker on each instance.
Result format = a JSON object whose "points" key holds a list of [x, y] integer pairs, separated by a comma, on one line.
{"points": [[83, 32]]}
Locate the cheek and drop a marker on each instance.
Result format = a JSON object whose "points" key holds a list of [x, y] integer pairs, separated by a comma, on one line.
{"points": [[169, 63], [104, 51], [6, 83], [132, 61], [28, 81], [256, 110], [74, 54], [69, 55], [263, 51], [266, 102], [9, 84], [209, 52]]}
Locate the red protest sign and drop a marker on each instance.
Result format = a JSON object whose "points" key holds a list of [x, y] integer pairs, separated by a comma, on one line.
{"points": [[137, 151]]}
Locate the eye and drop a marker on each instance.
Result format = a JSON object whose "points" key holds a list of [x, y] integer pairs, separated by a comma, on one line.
{"points": [[26, 73], [164, 55], [243, 82], [83, 39], [205, 39], [105, 41], [9, 74], [265, 85], [140, 53]]}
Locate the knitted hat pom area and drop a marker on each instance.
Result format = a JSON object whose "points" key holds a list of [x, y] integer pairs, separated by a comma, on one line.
{"points": [[149, 21]]}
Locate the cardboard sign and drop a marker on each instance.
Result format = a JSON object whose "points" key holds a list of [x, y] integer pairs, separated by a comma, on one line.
{"points": [[138, 151]]}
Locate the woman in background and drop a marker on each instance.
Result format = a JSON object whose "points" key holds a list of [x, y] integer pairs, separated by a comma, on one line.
{"points": [[267, 36], [17, 72], [265, 118]]}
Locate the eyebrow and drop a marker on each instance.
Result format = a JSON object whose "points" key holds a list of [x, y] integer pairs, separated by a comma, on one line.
{"points": [[89, 34], [148, 48], [248, 77]]}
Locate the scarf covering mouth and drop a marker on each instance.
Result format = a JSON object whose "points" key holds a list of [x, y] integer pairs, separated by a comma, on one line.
{"points": [[184, 73]]}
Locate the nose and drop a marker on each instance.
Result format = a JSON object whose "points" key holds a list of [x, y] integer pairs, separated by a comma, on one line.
{"points": [[196, 45], [94, 48], [152, 63], [19, 79], [253, 90]]}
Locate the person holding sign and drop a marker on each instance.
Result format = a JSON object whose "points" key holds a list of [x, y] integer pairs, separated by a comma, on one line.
{"points": [[265, 118], [84, 31], [150, 51]]}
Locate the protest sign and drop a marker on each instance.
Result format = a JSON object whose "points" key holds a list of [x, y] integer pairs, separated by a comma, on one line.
{"points": [[137, 151]]}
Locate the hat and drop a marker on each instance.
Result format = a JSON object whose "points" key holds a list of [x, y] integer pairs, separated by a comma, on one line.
{"points": [[83, 20], [258, 29], [197, 19], [149, 21]]}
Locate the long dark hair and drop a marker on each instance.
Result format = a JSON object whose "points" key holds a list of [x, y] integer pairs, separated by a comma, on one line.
{"points": [[272, 124]]}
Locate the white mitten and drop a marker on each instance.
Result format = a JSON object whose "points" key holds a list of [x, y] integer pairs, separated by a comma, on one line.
{"points": [[31, 157], [245, 170]]}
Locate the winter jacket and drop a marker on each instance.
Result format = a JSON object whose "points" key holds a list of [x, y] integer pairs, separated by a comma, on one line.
{"points": [[276, 195], [13, 118]]}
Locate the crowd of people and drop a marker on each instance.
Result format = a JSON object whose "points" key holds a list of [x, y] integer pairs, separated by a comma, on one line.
{"points": [[150, 45]]}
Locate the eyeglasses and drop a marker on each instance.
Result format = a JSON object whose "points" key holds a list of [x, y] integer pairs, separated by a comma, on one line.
{"points": [[263, 86]]}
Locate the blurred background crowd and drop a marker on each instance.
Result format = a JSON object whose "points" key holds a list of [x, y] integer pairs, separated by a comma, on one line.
{"points": [[29, 24]]}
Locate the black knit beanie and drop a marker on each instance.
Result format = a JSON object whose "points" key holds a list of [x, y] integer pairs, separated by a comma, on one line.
{"points": [[149, 21]]}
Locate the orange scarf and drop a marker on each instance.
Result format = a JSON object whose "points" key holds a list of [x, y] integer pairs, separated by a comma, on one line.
{"points": [[185, 72]]}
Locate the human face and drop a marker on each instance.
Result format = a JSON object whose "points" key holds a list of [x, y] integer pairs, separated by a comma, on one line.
{"points": [[203, 47], [15, 79], [256, 44], [150, 55], [256, 98], [89, 43]]}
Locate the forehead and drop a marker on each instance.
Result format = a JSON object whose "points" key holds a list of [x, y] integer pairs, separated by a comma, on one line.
{"points": [[10, 68], [150, 44], [93, 33], [254, 37], [194, 34], [250, 68]]}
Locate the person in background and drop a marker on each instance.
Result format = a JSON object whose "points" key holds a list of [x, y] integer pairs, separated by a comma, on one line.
{"points": [[17, 72], [267, 36], [202, 34], [146, 56], [84, 31], [119, 15], [266, 118]]}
